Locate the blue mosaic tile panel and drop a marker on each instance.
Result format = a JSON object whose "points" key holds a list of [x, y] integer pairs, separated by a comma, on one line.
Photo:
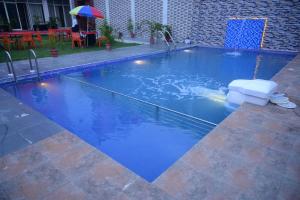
{"points": [[244, 34]]}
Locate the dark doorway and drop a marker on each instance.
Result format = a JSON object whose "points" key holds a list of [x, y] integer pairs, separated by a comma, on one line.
{"points": [[13, 15], [23, 15]]}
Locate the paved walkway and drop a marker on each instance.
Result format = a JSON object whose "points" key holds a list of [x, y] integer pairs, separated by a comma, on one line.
{"points": [[79, 59], [252, 154]]}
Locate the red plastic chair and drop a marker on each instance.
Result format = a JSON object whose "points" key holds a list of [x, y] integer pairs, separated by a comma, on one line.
{"points": [[52, 34], [102, 39], [76, 38], [39, 39], [7, 42], [27, 38]]}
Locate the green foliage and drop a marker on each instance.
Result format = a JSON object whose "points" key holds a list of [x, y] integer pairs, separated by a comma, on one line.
{"points": [[36, 20], [106, 31], [153, 27], [52, 22]]}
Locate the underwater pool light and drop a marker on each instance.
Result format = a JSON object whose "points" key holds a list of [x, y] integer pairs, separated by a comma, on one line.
{"points": [[139, 62], [187, 50], [43, 84]]}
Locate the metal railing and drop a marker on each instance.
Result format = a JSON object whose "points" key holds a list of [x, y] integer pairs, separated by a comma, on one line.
{"points": [[10, 65], [164, 38], [32, 53], [173, 41], [162, 33]]}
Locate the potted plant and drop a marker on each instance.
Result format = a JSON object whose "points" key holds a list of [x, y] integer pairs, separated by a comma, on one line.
{"points": [[108, 46], [130, 28], [52, 23], [106, 31], [53, 50]]}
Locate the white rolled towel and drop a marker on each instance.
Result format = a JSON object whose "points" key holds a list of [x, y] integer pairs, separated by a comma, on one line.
{"points": [[253, 91]]}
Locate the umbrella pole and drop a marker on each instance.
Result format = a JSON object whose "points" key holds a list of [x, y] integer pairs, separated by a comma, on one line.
{"points": [[86, 36]]}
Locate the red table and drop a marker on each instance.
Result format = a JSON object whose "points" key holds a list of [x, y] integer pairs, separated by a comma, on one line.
{"points": [[88, 36]]}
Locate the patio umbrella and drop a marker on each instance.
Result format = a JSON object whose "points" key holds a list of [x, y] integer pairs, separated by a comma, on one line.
{"points": [[87, 11]]}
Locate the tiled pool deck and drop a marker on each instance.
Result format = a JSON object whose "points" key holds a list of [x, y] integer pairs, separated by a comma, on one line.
{"points": [[252, 154]]}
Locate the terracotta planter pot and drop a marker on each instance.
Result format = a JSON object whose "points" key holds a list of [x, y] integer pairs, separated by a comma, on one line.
{"points": [[54, 52], [108, 46]]}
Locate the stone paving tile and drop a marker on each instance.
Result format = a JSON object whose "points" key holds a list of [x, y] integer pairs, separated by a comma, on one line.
{"points": [[68, 191], [72, 162], [266, 185], [58, 144], [10, 142], [21, 126], [140, 189], [184, 182], [18, 162], [34, 183], [289, 190]]}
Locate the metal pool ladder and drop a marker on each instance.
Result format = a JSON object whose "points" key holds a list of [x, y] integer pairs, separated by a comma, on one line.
{"points": [[32, 53], [162, 33], [11, 69], [10, 65]]}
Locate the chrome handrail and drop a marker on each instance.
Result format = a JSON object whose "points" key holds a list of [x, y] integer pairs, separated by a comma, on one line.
{"points": [[164, 37], [166, 31], [31, 52], [10, 68]]}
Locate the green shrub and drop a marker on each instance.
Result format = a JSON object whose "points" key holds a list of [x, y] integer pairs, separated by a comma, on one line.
{"points": [[106, 31]]}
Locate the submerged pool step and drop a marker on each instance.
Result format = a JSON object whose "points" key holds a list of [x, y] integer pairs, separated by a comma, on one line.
{"points": [[184, 122], [201, 125]]}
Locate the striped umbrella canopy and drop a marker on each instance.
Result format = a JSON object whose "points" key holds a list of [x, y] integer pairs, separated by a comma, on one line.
{"points": [[86, 11]]}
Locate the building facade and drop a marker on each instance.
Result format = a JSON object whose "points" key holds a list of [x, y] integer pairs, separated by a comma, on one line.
{"points": [[24, 14], [205, 21]]}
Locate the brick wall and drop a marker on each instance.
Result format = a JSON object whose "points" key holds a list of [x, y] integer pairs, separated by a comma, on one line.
{"points": [[148, 10], [120, 13], [180, 18], [205, 20], [283, 30], [100, 4]]}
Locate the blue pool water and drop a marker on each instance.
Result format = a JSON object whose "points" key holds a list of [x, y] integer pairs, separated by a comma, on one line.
{"points": [[142, 137]]}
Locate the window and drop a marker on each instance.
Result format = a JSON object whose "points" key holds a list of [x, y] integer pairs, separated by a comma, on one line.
{"points": [[37, 13], [60, 10], [13, 15], [3, 18]]}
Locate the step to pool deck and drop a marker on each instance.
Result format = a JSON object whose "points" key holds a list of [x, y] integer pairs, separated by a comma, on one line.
{"points": [[252, 154]]}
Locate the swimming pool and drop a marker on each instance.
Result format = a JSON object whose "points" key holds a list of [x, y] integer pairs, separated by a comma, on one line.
{"points": [[111, 106]]}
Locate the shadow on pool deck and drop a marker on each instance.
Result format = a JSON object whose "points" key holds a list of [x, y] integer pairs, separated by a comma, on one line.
{"points": [[252, 154]]}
